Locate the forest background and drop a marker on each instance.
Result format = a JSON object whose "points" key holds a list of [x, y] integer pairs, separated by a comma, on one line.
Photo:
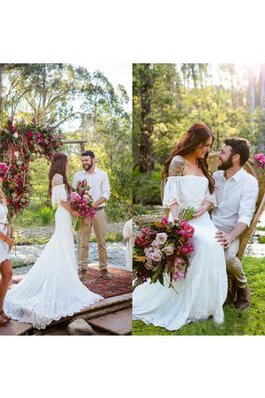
{"points": [[168, 98]]}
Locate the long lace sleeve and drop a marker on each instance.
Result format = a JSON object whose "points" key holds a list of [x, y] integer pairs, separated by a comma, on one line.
{"points": [[58, 190]]}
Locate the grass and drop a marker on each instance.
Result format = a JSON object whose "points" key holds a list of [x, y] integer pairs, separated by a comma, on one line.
{"points": [[260, 228], [39, 214], [250, 322], [261, 239]]}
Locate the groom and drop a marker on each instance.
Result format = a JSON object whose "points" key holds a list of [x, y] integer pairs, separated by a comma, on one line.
{"points": [[100, 191], [236, 193]]}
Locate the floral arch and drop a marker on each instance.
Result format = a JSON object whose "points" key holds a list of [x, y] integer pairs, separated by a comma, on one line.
{"points": [[19, 144]]}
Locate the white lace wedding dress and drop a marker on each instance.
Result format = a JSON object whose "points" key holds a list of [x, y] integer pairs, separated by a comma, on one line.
{"points": [[51, 289], [202, 293]]}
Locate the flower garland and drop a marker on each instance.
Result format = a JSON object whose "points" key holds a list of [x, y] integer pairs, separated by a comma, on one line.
{"points": [[19, 144]]}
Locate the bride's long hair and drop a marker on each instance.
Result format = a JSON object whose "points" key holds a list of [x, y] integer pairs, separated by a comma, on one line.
{"points": [[58, 166], [197, 134]]}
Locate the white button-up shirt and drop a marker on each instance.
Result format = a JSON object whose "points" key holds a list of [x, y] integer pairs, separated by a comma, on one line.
{"points": [[97, 181], [236, 199]]}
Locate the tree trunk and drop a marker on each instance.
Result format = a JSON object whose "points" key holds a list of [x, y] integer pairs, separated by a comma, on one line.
{"points": [[146, 127], [261, 137], [251, 93]]}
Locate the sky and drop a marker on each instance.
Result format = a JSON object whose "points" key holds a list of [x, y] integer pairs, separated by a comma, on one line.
{"points": [[117, 73]]}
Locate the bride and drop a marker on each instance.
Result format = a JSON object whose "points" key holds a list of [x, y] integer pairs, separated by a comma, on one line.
{"points": [[202, 293], [52, 289]]}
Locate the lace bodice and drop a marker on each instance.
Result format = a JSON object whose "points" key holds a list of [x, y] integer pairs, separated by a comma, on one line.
{"points": [[58, 190], [187, 191], [57, 180]]}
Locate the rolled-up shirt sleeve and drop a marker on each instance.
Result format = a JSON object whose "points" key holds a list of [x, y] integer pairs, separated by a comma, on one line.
{"points": [[105, 187], [75, 181], [248, 203], [171, 192]]}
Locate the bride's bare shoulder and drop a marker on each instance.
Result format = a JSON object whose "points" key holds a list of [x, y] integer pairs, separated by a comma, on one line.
{"points": [[176, 166]]}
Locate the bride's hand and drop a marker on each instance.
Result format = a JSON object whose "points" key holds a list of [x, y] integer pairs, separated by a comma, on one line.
{"points": [[10, 242], [75, 213], [175, 220], [200, 211]]}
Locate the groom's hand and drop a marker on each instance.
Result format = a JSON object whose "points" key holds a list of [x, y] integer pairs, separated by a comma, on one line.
{"points": [[223, 238]]}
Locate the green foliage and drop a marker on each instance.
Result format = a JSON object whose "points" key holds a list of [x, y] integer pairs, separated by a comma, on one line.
{"points": [[56, 94], [261, 239], [147, 188], [182, 94], [46, 215], [237, 322]]}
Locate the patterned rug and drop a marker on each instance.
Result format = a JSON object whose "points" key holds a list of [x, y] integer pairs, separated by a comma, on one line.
{"points": [[120, 283]]}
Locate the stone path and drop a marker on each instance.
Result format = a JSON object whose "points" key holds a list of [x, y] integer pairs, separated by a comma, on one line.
{"points": [[102, 308], [119, 323]]}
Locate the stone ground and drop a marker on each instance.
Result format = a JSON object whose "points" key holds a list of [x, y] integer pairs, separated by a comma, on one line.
{"points": [[26, 254]]}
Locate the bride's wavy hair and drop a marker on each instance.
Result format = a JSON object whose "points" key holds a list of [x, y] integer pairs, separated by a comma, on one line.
{"points": [[197, 134], [58, 166]]}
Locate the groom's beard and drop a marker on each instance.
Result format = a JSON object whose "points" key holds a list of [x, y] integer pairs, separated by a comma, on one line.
{"points": [[88, 166], [226, 165]]}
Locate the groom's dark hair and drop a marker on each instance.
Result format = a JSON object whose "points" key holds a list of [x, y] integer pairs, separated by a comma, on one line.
{"points": [[88, 153], [239, 146]]}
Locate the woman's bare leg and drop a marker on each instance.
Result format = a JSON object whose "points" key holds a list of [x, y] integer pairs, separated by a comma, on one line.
{"points": [[6, 275]]}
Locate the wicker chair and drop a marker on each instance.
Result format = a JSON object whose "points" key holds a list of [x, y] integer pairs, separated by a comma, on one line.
{"points": [[251, 168]]}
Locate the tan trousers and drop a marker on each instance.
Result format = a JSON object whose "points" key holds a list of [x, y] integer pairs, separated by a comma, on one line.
{"points": [[234, 265], [99, 224]]}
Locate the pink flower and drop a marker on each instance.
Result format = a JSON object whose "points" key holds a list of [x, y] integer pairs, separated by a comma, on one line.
{"points": [[148, 251], [168, 250], [149, 265], [178, 275], [155, 243], [165, 221], [187, 231], [178, 262], [161, 238], [157, 256], [3, 170], [187, 248], [260, 159]]}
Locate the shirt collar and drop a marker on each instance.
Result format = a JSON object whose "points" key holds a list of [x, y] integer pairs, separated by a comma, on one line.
{"points": [[237, 176]]}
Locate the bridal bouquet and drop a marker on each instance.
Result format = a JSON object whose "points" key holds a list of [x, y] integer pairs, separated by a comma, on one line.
{"points": [[81, 201], [259, 159], [162, 248]]}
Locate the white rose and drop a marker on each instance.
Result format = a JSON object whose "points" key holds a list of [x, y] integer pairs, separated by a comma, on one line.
{"points": [[16, 154], [16, 135], [168, 250], [157, 255]]}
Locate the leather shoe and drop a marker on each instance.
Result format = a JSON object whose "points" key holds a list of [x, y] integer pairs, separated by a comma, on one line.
{"points": [[82, 275], [243, 298], [105, 274]]}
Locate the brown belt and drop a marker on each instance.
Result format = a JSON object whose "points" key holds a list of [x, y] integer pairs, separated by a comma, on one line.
{"points": [[100, 208]]}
